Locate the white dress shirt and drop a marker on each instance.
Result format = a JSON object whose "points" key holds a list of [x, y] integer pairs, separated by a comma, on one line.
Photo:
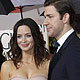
{"points": [[64, 37]]}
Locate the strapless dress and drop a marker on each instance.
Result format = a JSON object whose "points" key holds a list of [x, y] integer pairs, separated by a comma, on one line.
{"points": [[39, 77]]}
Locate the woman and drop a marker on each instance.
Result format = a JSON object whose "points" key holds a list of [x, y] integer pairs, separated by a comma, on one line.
{"points": [[29, 58], [2, 58]]}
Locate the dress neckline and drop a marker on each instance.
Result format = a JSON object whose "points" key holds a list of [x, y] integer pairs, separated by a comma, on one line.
{"points": [[29, 77]]}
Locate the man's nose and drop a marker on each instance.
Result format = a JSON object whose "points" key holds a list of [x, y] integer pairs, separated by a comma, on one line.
{"points": [[45, 22]]}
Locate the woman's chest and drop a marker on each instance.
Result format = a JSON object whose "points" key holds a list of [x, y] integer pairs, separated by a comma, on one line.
{"points": [[28, 71]]}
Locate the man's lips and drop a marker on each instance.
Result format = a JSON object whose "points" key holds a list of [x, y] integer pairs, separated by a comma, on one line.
{"points": [[48, 28]]}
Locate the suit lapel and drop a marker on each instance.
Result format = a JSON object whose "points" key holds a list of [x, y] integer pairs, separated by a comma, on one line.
{"points": [[58, 55]]}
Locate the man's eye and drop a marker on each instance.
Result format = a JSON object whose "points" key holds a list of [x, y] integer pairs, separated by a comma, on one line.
{"points": [[50, 16]]}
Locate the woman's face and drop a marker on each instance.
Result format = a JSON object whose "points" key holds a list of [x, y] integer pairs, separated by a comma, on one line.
{"points": [[24, 38]]}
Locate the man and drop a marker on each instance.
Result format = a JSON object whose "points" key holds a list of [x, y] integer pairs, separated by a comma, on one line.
{"points": [[59, 21]]}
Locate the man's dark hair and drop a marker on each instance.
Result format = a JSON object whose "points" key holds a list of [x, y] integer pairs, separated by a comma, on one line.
{"points": [[62, 6]]}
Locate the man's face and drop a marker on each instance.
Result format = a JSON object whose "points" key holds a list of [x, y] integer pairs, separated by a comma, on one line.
{"points": [[52, 22]]}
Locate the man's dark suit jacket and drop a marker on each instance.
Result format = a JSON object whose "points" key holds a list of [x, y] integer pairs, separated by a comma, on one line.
{"points": [[65, 65]]}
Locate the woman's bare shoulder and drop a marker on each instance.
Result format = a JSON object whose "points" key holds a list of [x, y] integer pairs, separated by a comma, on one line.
{"points": [[46, 63], [6, 69], [45, 66], [7, 64]]}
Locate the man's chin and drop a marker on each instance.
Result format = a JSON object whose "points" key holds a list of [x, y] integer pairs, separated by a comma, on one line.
{"points": [[49, 35]]}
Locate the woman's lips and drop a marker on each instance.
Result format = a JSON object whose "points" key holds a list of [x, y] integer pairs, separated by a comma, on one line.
{"points": [[25, 45]]}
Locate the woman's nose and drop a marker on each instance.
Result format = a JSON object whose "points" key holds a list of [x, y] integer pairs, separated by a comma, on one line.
{"points": [[24, 39]]}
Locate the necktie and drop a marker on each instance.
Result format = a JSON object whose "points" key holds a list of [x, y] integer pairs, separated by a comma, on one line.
{"points": [[56, 45], [52, 63]]}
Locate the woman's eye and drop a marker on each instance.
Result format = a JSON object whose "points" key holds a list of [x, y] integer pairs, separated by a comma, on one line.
{"points": [[19, 37], [28, 35]]}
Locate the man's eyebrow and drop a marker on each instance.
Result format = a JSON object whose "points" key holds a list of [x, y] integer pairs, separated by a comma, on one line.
{"points": [[49, 14]]}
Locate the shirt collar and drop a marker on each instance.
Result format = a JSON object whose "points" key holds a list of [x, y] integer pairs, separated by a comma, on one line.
{"points": [[64, 37]]}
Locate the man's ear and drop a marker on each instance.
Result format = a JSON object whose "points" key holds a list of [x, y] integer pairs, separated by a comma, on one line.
{"points": [[66, 18]]}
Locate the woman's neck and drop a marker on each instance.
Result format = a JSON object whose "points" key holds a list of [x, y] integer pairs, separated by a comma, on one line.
{"points": [[27, 57]]}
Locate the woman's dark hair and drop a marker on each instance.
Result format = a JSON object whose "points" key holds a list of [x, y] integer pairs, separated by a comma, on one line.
{"points": [[62, 6], [40, 52], [2, 58]]}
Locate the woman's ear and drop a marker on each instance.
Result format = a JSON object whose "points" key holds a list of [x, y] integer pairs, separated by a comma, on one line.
{"points": [[66, 18]]}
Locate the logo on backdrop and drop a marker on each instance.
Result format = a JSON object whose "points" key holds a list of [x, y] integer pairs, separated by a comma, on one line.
{"points": [[5, 36]]}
